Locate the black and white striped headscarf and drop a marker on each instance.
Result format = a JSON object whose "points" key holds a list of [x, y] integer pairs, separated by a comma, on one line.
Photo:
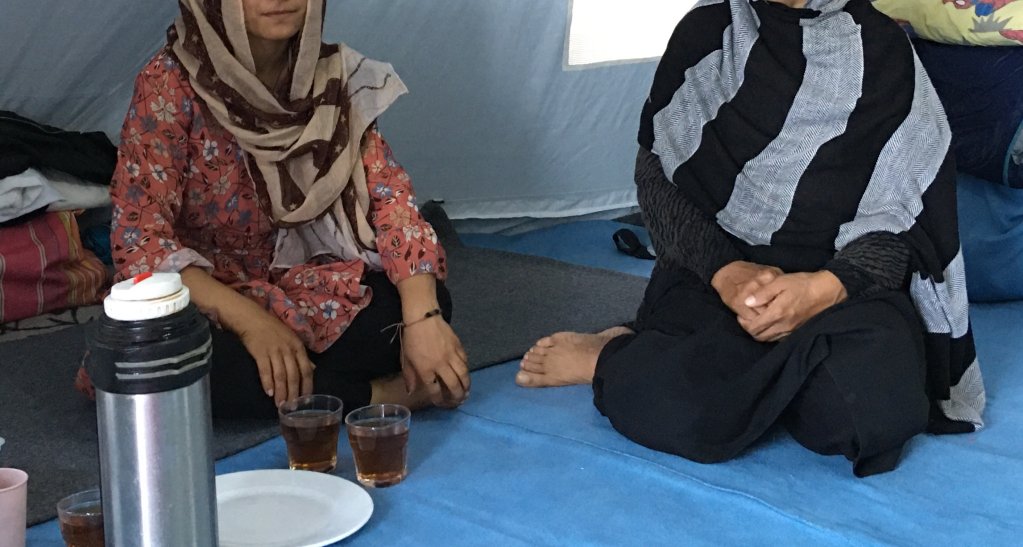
{"points": [[810, 128]]}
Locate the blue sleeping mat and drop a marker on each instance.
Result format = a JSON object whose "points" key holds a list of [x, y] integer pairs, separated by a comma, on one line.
{"points": [[991, 229], [541, 467]]}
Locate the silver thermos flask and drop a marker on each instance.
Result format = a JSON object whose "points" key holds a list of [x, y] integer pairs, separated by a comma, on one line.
{"points": [[149, 359]]}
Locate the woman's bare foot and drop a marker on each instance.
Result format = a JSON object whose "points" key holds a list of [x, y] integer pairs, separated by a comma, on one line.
{"points": [[565, 358], [391, 390]]}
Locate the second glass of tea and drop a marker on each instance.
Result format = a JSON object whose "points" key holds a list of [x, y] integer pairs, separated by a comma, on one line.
{"points": [[379, 438]]}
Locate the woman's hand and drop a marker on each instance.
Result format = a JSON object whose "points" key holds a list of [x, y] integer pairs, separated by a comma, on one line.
{"points": [[434, 356], [739, 280], [284, 366], [790, 301]]}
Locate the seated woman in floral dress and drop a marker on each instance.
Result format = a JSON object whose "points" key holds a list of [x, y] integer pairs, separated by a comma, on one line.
{"points": [[251, 163]]}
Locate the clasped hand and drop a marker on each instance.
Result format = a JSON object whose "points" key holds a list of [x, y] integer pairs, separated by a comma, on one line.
{"points": [[771, 304]]}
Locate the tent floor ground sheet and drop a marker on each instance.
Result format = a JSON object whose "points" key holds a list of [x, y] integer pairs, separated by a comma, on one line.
{"points": [[541, 467]]}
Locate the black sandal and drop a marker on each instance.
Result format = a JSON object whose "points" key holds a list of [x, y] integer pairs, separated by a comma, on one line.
{"points": [[626, 241]]}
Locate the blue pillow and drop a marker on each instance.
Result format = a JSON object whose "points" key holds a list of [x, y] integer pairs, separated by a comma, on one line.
{"points": [[981, 89], [991, 229]]}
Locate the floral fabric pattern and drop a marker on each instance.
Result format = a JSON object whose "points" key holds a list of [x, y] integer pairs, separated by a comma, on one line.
{"points": [[965, 22], [183, 197]]}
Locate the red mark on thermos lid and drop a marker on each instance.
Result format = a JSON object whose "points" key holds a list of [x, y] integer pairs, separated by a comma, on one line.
{"points": [[141, 277]]}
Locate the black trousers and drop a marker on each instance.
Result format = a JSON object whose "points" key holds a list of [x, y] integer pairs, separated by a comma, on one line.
{"points": [[691, 382], [364, 353]]}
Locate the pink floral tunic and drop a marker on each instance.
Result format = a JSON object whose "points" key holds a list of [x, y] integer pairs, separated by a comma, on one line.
{"points": [[183, 197]]}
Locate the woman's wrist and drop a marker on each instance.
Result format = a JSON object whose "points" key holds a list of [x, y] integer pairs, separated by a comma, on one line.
{"points": [[245, 315], [432, 314], [232, 310], [829, 288], [412, 313], [418, 297]]}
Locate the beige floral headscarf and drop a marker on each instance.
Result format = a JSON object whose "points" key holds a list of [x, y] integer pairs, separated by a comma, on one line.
{"points": [[303, 138]]}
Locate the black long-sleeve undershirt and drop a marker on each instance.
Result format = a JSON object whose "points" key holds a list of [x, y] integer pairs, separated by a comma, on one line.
{"points": [[684, 237]]}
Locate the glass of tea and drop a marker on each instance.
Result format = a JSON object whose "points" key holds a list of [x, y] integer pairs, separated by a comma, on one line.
{"points": [[379, 438], [311, 426], [81, 519]]}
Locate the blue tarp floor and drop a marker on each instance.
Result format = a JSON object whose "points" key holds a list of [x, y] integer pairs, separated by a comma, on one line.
{"points": [[542, 467]]}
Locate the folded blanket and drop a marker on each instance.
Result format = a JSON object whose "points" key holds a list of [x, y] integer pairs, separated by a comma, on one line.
{"points": [[32, 190], [75, 193], [25, 193], [26, 143]]}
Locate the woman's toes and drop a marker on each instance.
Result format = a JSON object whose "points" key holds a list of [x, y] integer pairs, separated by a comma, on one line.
{"points": [[525, 379], [531, 365], [563, 338], [546, 342]]}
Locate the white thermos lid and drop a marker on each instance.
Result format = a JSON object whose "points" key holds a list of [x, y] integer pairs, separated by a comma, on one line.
{"points": [[146, 296]]}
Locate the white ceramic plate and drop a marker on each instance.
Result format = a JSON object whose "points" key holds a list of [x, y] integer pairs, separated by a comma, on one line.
{"points": [[278, 507]]}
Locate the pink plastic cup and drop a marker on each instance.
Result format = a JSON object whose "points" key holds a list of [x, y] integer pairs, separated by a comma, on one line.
{"points": [[13, 505]]}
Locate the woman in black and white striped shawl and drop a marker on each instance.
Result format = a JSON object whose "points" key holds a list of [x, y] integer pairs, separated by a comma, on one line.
{"points": [[796, 176]]}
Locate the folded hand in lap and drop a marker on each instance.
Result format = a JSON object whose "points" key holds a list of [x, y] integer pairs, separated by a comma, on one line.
{"points": [[739, 280], [788, 302]]}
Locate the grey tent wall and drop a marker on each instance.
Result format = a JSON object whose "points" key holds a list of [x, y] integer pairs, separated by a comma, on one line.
{"points": [[494, 124]]}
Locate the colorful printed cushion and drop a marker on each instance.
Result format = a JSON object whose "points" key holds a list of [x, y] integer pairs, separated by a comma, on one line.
{"points": [[967, 22], [44, 268]]}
